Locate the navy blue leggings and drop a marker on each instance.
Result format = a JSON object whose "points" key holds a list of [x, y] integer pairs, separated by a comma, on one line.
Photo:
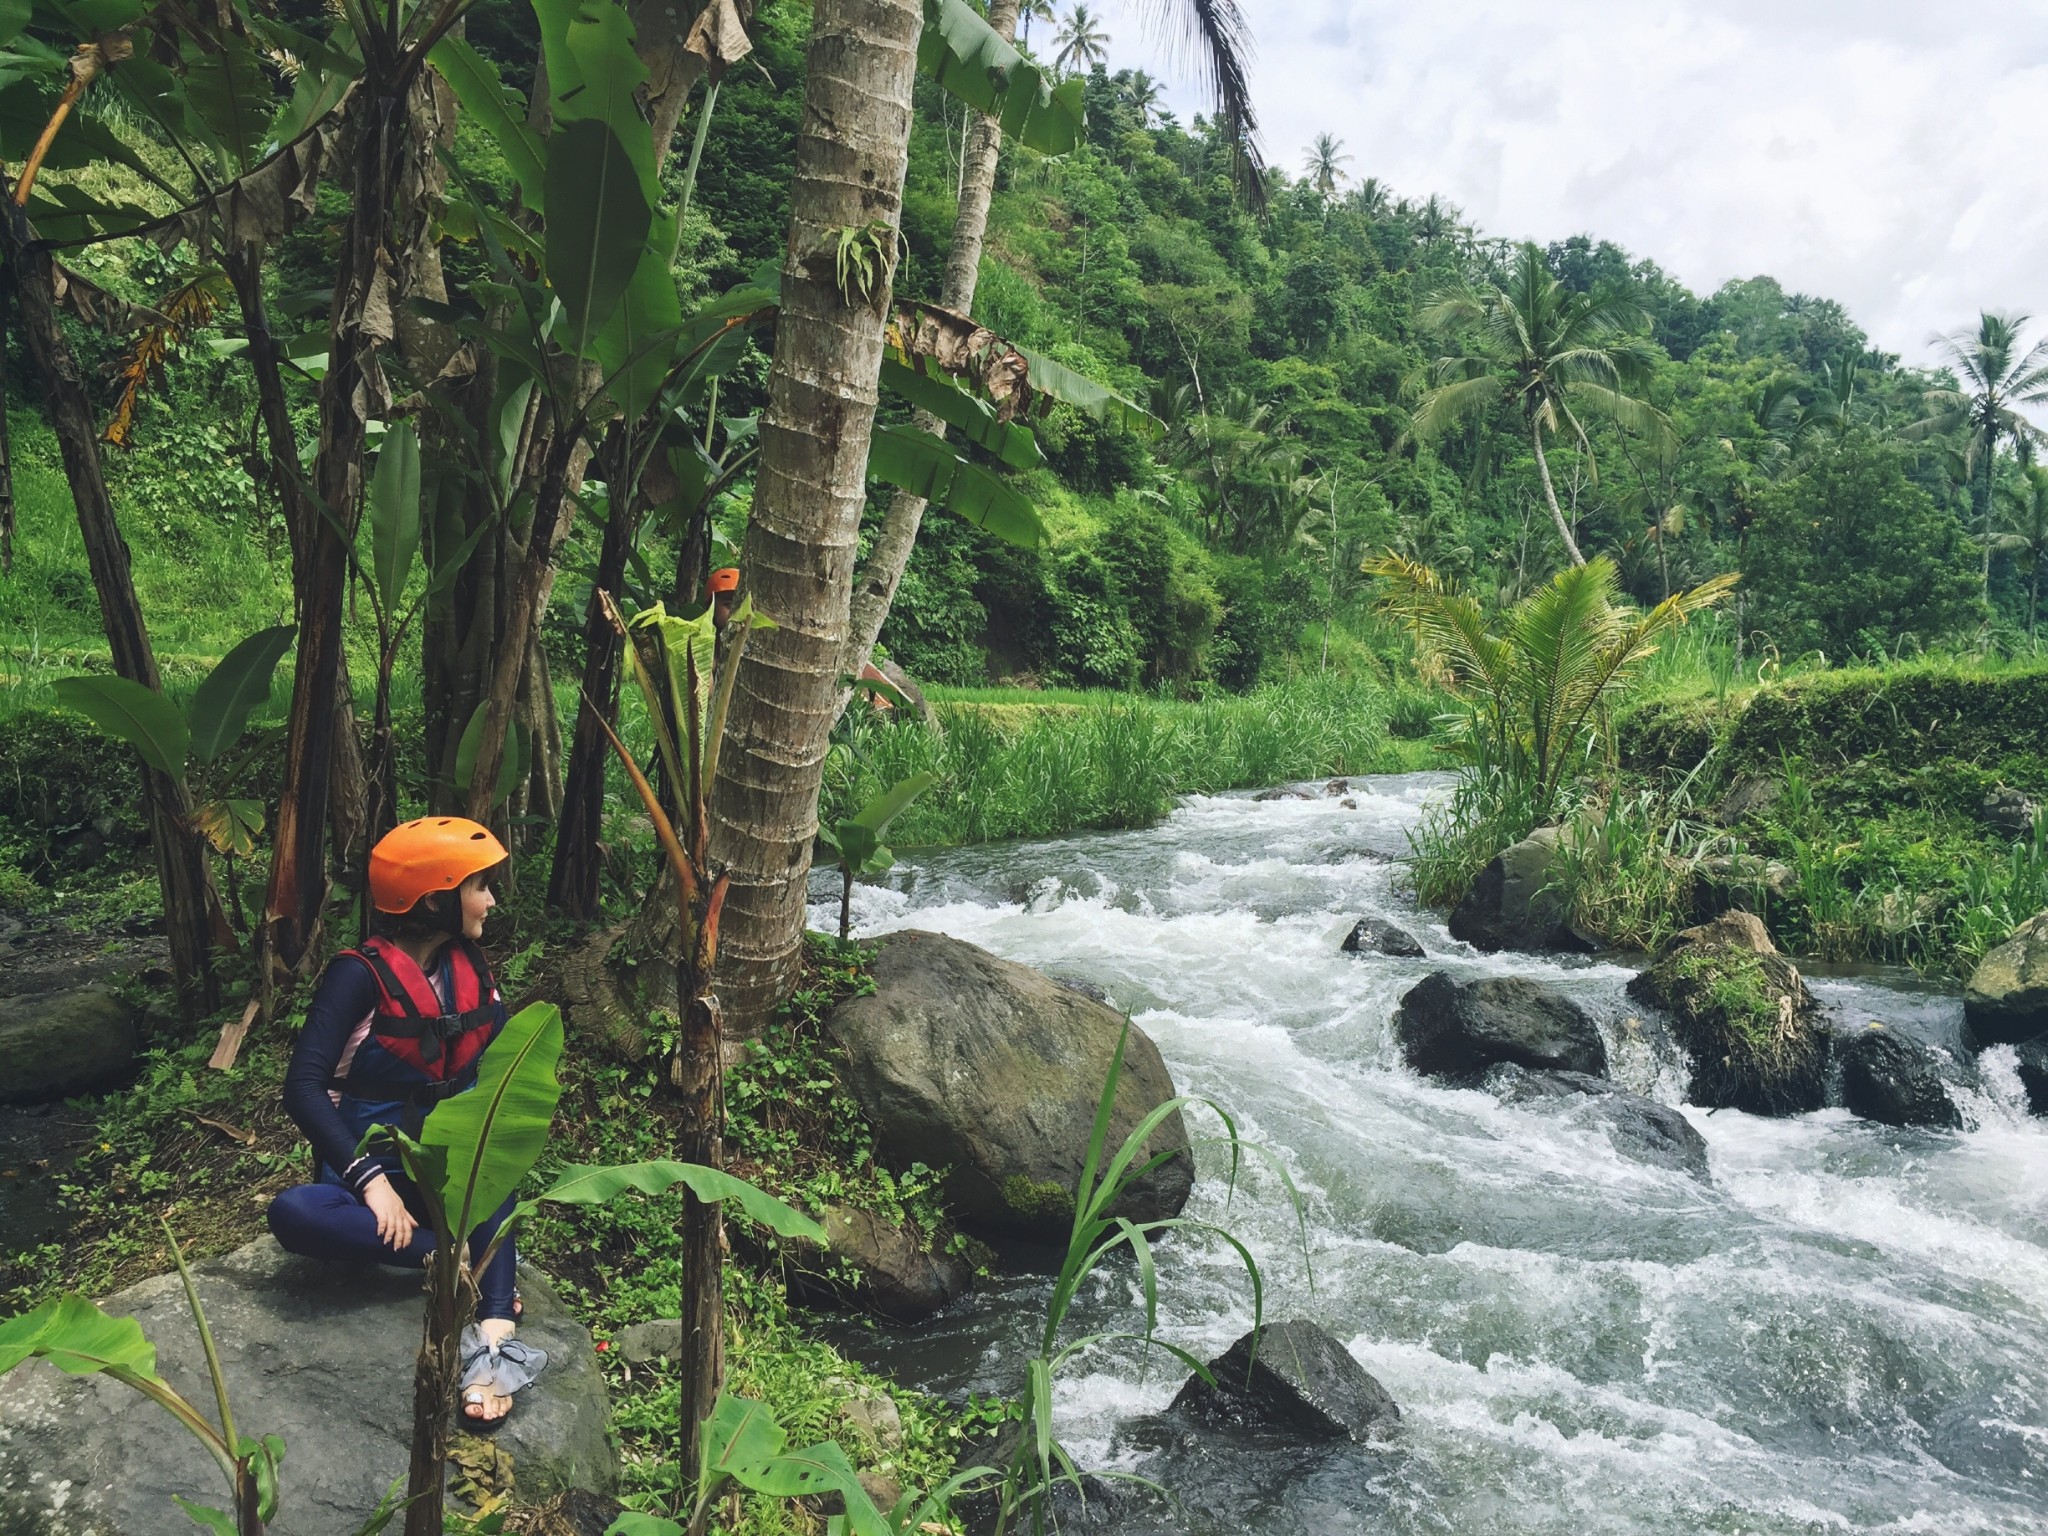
{"points": [[325, 1221]]}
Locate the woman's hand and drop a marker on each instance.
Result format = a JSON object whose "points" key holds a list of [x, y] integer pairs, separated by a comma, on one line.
{"points": [[394, 1222]]}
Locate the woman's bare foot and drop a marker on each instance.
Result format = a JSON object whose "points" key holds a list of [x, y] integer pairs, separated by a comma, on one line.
{"points": [[481, 1407]]}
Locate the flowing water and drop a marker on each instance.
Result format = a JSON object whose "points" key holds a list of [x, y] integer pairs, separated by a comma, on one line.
{"points": [[1845, 1330]]}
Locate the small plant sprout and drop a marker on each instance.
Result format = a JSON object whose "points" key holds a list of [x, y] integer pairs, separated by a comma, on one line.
{"points": [[856, 841]]}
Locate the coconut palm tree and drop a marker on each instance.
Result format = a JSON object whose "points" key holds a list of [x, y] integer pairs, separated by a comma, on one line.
{"points": [[1997, 377], [1029, 11], [1326, 160], [1142, 92], [1083, 43], [2023, 533], [788, 694], [1551, 353], [1371, 199]]}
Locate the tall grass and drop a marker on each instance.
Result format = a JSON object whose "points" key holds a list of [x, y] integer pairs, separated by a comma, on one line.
{"points": [[1009, 772]]}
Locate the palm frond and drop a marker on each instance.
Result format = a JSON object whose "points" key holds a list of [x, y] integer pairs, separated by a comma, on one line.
{"points": [[1213, 36]]}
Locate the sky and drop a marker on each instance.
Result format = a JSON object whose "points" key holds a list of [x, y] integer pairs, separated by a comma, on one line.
{"points": [[1883, 153]]}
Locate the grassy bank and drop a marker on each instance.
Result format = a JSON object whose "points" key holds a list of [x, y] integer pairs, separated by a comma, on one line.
{"points": [[1016, 764], [1876, 790]]}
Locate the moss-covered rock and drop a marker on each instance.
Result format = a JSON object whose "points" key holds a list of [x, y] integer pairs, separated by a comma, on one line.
{"points": [[1744, 1014]]}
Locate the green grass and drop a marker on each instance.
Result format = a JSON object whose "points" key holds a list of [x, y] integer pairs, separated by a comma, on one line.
{"points": [[1107, 760]]}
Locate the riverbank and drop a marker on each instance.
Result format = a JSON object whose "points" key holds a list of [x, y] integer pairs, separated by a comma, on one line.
{"points": [[207, 1150]]}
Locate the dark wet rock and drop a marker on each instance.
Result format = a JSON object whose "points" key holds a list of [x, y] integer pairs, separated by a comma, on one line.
{"points": [[1372, 935], [1512, 906], [871, 1264], [1896, 1081], [2034, 1073], [1743, 1014], [2006, 1001], [65, 1043], [1456, 1030], [1302, 1383], [64, 1028], [993, 1070], [320, 1354], [1739, 882], [1337, 787], [2008, 812], [1284, 792], [1748, 798], [1639, 1128]]}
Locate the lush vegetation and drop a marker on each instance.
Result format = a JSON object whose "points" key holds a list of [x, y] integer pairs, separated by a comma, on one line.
{"points": [[1252, 477]]}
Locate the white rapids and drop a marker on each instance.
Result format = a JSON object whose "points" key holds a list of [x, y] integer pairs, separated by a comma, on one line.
{"points": [[1847, 1330]]}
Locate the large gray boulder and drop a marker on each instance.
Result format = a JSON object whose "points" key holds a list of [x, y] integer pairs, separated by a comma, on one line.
{"points": [[2006, 1001], [1302, 1382], [319, 1354], [993, 1070], [1638, 1128], [1743, 1013], [1512, 904], [1893, 1080], [1456, 1030]]}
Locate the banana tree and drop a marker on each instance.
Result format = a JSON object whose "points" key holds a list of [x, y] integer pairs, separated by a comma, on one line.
{"points": [[172, 740], [473, 1152], [685, 670], [856, 841]]}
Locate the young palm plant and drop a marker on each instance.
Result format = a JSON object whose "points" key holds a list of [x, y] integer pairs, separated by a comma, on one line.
{"points": [[1552, 353], [2024, 535], [1537, 682]]}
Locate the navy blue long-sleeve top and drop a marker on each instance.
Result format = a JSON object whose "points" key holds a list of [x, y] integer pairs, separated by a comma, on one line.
{"points": [[346, 996]]}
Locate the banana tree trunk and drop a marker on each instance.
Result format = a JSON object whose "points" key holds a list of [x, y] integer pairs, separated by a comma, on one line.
{"points": [[882, 572], [797, 561], [359, 324], [193, 918], [451, 1295], [1564, 530]]}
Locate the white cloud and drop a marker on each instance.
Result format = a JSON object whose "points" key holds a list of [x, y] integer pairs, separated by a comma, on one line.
{"points": [[1879, 152]]}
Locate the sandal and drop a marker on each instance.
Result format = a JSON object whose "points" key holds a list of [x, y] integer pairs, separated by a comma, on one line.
{"points": [[494, 1372]]}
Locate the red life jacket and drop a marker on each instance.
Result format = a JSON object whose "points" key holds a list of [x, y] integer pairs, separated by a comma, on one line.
{"points": [[417, 1051]]}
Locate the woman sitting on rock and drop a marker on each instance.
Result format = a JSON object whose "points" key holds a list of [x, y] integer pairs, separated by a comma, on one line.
{"points": [[395, 1027]]}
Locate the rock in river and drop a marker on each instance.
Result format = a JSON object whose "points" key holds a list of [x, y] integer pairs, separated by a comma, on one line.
{"points": [[1511, 904], [1639, 1128], [319, 1354], [1372, 935], [1456, 1030], [964, 1061], [1303, 1382], [1896, 1081], [1743, 1013], [2034, 1074], [872, 1264], [2006, 1001]]}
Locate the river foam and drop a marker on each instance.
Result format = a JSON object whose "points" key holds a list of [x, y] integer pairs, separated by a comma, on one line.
{"points": [[1843, 1331]]}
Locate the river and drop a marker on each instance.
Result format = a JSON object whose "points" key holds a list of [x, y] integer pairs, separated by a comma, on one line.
{"points": [[1845, 1330]]}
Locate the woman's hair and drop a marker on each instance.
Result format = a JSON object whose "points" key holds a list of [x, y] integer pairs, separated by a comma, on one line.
{"points": [[435, 915]]}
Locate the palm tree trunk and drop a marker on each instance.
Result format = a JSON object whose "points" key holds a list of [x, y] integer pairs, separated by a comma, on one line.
{"points": [[883, 570], [1564, 531], [797, 562], [193, 917]]}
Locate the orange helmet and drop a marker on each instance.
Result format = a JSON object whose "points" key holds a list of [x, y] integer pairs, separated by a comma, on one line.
{"points": [[724, 579], [435, 853]]}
